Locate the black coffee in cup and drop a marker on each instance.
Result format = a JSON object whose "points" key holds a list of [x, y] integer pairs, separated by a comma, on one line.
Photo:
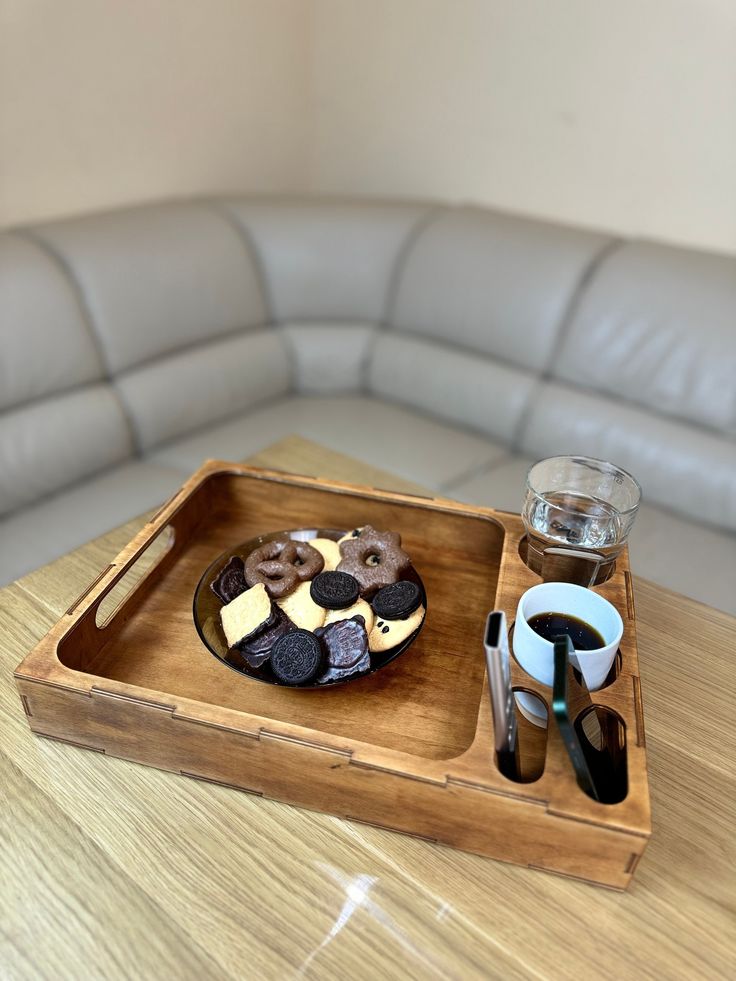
{"points": [[549, 625]]}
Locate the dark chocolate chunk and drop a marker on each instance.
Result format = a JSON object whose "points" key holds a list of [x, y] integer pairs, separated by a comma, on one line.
{"points": [[256, 649], [346, 644], [334, 590], [231, 581], [397, 601], [296, 657]]}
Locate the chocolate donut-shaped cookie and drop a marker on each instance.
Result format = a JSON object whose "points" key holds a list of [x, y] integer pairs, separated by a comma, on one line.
{"points": [[281, 565], [375, 558]]}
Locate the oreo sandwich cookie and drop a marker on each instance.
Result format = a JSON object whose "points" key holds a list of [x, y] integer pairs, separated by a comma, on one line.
{"points": [[397, 601], [296, 657], [334, 590]]}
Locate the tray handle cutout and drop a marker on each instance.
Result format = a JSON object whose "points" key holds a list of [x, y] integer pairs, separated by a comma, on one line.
{"points": [[531, 739], [144, 566], [603, 731]]}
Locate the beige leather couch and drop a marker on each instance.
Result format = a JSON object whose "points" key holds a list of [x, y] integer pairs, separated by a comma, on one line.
{"points": [[451, 345]]}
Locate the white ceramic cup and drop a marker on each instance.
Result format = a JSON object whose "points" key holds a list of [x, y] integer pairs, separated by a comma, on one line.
{"points": [[536, 655]]}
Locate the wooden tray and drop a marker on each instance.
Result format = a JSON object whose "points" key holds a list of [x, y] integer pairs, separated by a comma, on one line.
{"points": [[410, 748]]}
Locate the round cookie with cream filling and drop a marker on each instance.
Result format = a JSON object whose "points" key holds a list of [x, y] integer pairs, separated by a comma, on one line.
{"points": [[296, 657], [397, 600]]}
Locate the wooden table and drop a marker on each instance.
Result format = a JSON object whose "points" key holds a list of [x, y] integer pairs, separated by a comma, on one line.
{"points": [[113, 870]]}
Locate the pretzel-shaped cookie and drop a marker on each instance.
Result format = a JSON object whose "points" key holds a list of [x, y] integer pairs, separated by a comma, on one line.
{"points": [[281, 565]]}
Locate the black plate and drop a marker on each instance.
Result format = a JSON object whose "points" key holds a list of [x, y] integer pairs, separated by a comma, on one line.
{"points": [[207, 608]]}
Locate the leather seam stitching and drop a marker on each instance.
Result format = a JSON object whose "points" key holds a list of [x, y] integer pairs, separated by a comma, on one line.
{"points": [[457, 347], [248, 243], [159, 448], [392, 288], [473, 429], [67, 270], [228, 335], [477, 471], [252, 251], [561, 330]]}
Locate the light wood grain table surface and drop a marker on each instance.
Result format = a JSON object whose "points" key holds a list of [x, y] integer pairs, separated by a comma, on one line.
{"points": [[113, 870]]}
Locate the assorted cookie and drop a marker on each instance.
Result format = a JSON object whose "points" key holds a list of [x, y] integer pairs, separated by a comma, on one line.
{"points": [[398, 600], [281, 565], [231, 581], [334, 590], [375, 558], [246, 614], [256, 649], [313, 613], [301, 609], [388, 633], [360, 608], [297, 657], [329, 550], [346, 649]]}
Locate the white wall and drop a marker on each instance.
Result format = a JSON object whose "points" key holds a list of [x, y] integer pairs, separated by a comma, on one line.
{"points": [[618, 114], [105, 102]]}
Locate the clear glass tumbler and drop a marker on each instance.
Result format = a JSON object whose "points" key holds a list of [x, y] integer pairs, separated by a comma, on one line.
{"points": [[578, 513]]}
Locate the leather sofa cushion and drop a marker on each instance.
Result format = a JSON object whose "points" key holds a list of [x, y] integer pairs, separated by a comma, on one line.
{"points": [[686, 556], [157, 278], [327, 259], [47, 445], [502, 484], [54, 526], [683, 468], [458, 386], [388, 436], [657, 326], [493, 283], [46, 347], [329, 359], [204, 384]]}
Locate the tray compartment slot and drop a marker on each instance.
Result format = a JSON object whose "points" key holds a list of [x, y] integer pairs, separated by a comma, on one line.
{"points": [[531, 753], [601, 730]]}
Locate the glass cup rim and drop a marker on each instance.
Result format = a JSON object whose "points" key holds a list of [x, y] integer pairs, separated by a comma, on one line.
{"points": [[612, 467]]}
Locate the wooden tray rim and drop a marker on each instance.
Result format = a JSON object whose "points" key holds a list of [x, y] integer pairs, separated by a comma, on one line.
{"points": [[42, 664]]}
